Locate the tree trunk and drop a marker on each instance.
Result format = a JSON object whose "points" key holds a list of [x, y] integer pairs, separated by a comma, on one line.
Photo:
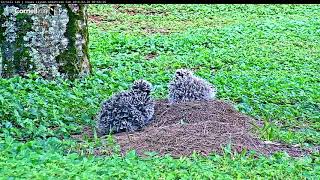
{"points": [[50, 40]]}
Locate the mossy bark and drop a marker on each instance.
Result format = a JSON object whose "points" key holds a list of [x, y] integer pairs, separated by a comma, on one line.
{"points": [[23, 42]]}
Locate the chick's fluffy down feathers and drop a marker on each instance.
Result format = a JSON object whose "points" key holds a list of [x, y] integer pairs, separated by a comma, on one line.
{"points": [[127, 111], [187, 87]]}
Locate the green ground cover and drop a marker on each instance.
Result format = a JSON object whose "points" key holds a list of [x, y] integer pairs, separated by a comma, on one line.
{"points": [[264, 58]]}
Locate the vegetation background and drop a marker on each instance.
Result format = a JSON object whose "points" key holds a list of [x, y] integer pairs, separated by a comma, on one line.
{"points": [[264, 58]]}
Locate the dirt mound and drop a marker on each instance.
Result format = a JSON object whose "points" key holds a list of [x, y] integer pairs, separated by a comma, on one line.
{"points": [[203, 127]]}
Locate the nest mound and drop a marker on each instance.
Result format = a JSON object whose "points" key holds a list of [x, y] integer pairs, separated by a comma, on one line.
{"points": [[202, 127]]}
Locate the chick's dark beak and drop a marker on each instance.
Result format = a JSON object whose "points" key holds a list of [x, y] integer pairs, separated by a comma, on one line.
{"points": [[147, 91], [179, 74]]}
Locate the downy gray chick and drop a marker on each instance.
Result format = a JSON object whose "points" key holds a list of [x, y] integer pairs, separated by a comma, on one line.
{"points": [[127, 111], [142, 99], [187, 87]]}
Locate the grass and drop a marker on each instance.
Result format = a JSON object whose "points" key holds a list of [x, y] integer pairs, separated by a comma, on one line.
{"points": [[43, 160], [264, 58]]}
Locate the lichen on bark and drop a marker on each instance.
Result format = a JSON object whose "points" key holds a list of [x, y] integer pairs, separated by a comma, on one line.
{"points": [[76, 59], [50, 44], [9, 36], [1, 40], [47, 39]]}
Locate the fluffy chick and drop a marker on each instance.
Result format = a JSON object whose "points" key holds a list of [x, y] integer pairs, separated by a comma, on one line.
{"points": [[187, 87], [127, 111], [142, 99]]}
